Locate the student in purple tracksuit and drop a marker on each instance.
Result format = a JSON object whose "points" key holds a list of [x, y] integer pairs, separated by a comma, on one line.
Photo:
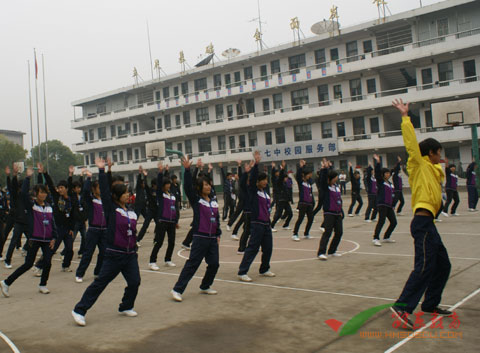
{"points": [[167, 217], [42, 234], [384, 203], [472, 187], [398, 187], [332, 211], [451, 184], [121, 250], [260, 228], [371, 188], [306, 200], [97, 228]]}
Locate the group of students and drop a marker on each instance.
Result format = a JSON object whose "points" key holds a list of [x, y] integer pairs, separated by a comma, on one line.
{"points": [[51, 215]]}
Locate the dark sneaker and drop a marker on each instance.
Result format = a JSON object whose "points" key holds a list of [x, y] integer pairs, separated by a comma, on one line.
{"points": [[438, 311], [402, 315]]}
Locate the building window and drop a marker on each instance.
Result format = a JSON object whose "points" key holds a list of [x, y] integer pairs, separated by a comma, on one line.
{"points": [[222, 145], [266, 106], [228, 80], [157, 96], [268, 138], [374, 125], [320, 58], [184, 87], [263, 73], [91, 136], [129, 154], [337, 92], [352, 51], [137, 153], [200, 84], [202, 114], [236, 78], [175, 91], [470, 71], [442, 27], [362, 160], [219, 111], [367, 46], [217, 81], [250, 105], [323, 95], [166, 92], [327, 129], [188, 146], [277, 101], [445, 72], [303, 132], [280, 135], [167, 122], [113, 131], [428, 118], [274, 66], [356, 89], [87, 159], [299, 97], [135, 128], [159, 124], [334, 54], [295, 62], [230, 110], [179, 147], [241, 141], [231, 142], [341, 129], [371, 85], [178, 120], [252, 138], [359, 125], [247, 73], [85, 136], [120, 156], [427, 78], [186, 118], [101, 108]]}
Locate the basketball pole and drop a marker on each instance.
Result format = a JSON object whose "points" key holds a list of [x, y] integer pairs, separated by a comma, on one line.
{"points": [[475, 152]]}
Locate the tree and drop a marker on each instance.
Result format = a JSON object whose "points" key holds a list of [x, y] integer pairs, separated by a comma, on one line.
{"points": [[60, 157], [9, 153]]}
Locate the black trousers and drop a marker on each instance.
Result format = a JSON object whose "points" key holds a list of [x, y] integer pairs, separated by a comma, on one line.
{"points": [[383, 213], [8, 223], [113, 264], [372, 206], [242, 244], [343, 187], [228, 207], [236, 214], [95, 238], [356, 197], [148, 218], [261, 237], [188, 239], [282, 206], [240, 222], [472, 198], [431, 269], [64, 236], [80, 227], [319, 204], [18, 230], [331, 223], [162, 229], [30, 259], [304, 209], [452, 195], [398, 197]]}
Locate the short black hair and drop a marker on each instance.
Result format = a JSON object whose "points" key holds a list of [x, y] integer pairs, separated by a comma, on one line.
{"points": [[117, 191], [452, 166], [40, 187], [95, 184], [262, 176], [76, 183], [153, 182], [174, 177], [385, 170], [62, 183], [428, 145], [199, 183], [117, 178], [166, 181], [332, 174]]}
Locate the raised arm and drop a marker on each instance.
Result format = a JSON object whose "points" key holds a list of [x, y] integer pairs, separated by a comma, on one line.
{"points": [[408, 132], [350, 171], [107, 203], [378, 168], [25, 192], [159, 180], [188, 181], [87, 187]]}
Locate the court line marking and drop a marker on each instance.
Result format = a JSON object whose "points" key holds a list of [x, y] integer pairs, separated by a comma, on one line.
{"points": [[7, 340], [430, 323], [410, 255], [397, 232]]}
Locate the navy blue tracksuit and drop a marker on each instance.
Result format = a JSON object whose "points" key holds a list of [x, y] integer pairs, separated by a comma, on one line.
{"points": [[472, 186]]}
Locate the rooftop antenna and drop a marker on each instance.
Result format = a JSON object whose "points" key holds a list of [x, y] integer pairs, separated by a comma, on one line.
{"points": [[210, 50], [157, 68], [381, 7], [181, 60], [258, 33], [334, 18], [149, 49], [295, 26]]}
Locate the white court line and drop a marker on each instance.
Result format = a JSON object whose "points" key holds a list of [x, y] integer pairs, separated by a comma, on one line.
{"points": [[410, 255], [7, 340], [430, 323], [397, 232]]}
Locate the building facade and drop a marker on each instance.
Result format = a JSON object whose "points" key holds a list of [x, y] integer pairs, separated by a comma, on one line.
{"points": [[327, 95], [13, 136]]}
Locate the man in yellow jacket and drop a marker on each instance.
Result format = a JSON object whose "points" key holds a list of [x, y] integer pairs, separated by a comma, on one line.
{"points": [[432, 265]]}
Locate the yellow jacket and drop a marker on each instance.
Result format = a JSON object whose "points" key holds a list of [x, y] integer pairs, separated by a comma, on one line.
{"points": [[425, 178]]}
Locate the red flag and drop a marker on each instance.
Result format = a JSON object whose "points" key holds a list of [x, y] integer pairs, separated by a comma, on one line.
{"points": [[36, 66]]}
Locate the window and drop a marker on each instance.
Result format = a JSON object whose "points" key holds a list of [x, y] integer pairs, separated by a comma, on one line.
{"points": [[217, 81], [371, 85], [280, 135], [374, 125], [101, 108], [352, 51], [184, 87], [157, 96], [178, 120], [359, 126], [137, 153], [277, 101], [87, 159], [186, 118], [200, 84], [415, 119], [166, 92], [470, 71], [228, 80], [129, 154], [274, 66], [179, 147], [247, 73], [266, 106], [367, 46], [320, 58], [92, 157], [167, 122], [204, 144], [219, 111], [452, 153], [327, 129], [445, 72], [230, 110], [252, 138], [362, 159], [188, 146], [302, 132], [442, 27], [127, 128], [295, 62], [263, 73], [241, 141], [428, 118], [237, 79], [202, 114], [175, 91], [113, 131], [356, 89], [299, 97], [222, 145], [268, 138], [341, 129], [323, 95], [427, 78], [135, 128], [91, 136], [120, 156], [337, 92], [85, 136], [250, 105], [159, 124], [231, 142], [334, 54]]}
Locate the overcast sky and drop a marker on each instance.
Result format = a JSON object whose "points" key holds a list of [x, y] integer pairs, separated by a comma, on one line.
{"points": [[91, 46]]}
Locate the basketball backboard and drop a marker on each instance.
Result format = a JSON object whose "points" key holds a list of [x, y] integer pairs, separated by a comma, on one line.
{"points": [[155, 149], [458, 112]]}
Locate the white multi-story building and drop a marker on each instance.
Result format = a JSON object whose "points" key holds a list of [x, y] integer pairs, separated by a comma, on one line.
{"points": [[327, 95]]}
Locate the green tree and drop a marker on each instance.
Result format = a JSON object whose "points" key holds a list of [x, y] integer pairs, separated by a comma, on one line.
{"points": [[60, 157], [9, 153]]}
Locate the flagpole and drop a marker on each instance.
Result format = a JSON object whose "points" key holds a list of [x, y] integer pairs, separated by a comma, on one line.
{"points": [[30, 105], [45, 112], [36, 100], [150, 49]]}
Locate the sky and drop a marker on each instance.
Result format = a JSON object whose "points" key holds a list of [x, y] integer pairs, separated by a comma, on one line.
{"points": [[91, 46]]}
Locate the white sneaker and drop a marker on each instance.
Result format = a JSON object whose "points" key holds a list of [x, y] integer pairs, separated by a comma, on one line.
{"points": [[374, 220], [368, 221], [268, 274], [438, 220], [274, 230], [295, 238], [37, 272], [240, 252], [228, 227], [286, 228], [176, 296], [234, 237], [456, 214], [185, 247], [153, 266], [66, 269], [244, 278], [336, 254], [129, 313], [78, 279], [469, 210], [79, 319], [208, 291], [388, 240], [399, 214], [322, 230], [350, 215], [4, 287], [323, 257], [306, 236], [376, 242], [445, 214], [138, 244], [170, 264], [43, 289], [8, 265], [1, 258]]}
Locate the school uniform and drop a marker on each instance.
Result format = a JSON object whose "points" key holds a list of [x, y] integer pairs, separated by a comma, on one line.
{"points": [[152, 210], [356, 197], [398, 188], [371, 187], [451, 185], [305, 204], [79, 214], [3, 218], [238, 207], [472, 186], [283, 206], [120, 253], [229, 197], [319, 206], [384, 205], [246, 215]]}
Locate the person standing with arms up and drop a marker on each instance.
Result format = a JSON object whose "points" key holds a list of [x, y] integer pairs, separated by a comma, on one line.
{"points": [[356, 197], [472, 187], [229, 197], [371, 187], [398, 187], [306, 200], [432, 265], [451, 185], [282, 197], [342, 178]]}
